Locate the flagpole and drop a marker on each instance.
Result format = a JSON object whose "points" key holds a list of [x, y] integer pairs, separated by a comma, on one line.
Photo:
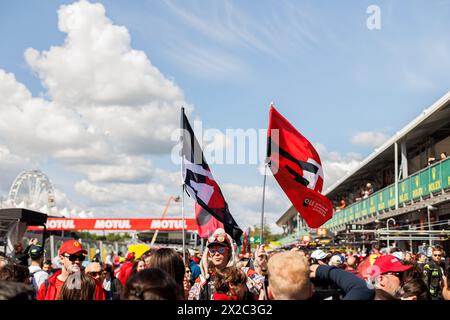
{"points": [[184, 234], [262, 206], [183, 186], [264, 190]]}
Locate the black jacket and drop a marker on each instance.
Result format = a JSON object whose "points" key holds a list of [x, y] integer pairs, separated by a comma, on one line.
{"points": [[433, 275], [22, 257]]}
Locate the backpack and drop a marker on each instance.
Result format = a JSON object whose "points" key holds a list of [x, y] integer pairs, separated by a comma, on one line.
{"points": [[33, 282]]}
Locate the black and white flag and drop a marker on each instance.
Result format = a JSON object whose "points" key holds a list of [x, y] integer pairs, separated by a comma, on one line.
{"points": [[211, 209]]}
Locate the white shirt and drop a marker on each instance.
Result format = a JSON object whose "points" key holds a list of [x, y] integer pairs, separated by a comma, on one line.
{"points": [[107, 284], [39, 276]]}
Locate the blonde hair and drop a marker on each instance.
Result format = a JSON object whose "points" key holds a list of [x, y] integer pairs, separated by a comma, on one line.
{"points": [[289, 276]]}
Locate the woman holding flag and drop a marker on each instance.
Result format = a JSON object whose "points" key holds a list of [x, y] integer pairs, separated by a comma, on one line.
{"points": [[219, 254]]}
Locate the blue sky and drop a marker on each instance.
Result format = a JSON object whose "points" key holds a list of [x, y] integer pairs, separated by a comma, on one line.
{"points": [[326, 72]]}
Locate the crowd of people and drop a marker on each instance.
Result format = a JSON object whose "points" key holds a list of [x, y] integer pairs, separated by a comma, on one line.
{"points": [[223, 274], [433, 160], [364, 193]]}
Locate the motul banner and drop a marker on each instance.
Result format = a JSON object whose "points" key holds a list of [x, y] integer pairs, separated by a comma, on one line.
{"points": [[169, 224]]}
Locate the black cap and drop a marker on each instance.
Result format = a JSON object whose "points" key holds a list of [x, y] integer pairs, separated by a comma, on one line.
{"points": [[36, 251]]}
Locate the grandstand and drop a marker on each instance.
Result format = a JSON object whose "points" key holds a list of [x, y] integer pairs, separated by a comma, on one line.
{"points": [[410, 201]]}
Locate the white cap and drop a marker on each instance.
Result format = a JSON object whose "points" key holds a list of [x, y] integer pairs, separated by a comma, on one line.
{"points": [[399, 255], [335, 260], [318, 254]]}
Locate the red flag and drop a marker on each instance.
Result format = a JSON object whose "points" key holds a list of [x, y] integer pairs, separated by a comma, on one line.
{"points": [[206, 223], [297, 168]]}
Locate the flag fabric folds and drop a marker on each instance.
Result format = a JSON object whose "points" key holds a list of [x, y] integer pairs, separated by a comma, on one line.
{"points": [[246, 246], [211, 209], [206, 223], [297, 168]]}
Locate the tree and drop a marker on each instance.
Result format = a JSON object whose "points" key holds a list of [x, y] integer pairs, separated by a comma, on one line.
{"points": [[268, 236], [109, 237]]}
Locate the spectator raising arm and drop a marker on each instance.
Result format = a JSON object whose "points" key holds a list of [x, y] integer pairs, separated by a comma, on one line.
{"points": [[354, 287]]}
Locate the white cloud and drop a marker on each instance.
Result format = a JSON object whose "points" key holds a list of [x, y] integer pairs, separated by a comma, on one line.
{"points": [[287, 28], [10, 166], [63, 202], [107, 110], [246, 218], [245, 204], [334, 170], [108, 89], [38, 126], [209, 63], [137, 129], [126, 169], [220, 33], [250, 197], [112, 193], [12, 93], [107, 105], [369, 139], [170, 179], [96, 64], [62, 199], [336, 165]]}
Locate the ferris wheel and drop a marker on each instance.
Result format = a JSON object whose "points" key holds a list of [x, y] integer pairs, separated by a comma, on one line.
{"points": [[32, 189]]}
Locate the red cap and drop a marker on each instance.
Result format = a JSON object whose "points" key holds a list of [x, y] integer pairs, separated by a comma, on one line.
{"points": [[71, 247], [390, 263]]}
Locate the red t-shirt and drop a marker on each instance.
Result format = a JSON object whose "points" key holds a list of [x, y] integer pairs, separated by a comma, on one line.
{"points": [[223, 296], [58, 285]]}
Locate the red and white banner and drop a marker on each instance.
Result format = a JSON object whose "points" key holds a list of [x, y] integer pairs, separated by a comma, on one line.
{"points": [[169, 224]]}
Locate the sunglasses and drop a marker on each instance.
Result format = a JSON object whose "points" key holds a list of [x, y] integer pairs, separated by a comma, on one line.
{"points": [[221, 250], [75, 257], [437, 255], [218, 238], [95, 273]]}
